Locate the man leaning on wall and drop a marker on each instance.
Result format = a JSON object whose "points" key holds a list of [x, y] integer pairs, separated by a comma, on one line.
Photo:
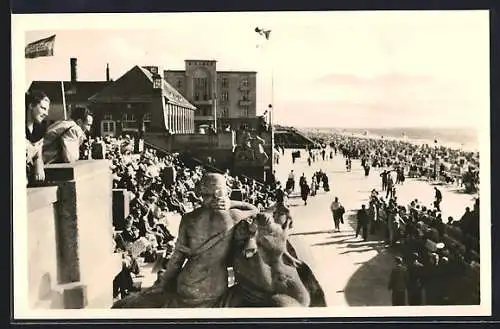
{"points": [[63, 139]]}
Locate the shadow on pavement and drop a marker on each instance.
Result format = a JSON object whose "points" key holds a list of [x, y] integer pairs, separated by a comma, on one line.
{"points": [[360, 244], [330, 242], [356, 251], [311, 233], [368, 285]]}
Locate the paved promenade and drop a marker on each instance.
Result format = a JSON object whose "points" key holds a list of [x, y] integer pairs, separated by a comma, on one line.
{"points": [[353, 272]]}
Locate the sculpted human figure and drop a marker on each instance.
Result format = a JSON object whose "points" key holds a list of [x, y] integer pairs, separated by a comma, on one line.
{"points": [[196, 274], [258, 150]]}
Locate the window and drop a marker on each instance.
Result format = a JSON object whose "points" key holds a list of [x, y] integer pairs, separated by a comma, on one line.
{"points": [[224, 96], [201, 88], [179, 84], [224, 112], [196, 95], [206, 110], [108, 127], [129, 121], [147, 121], [245, 95], [244, 82], [225, 83], [245, 110], [157, 83], [107, 116]]}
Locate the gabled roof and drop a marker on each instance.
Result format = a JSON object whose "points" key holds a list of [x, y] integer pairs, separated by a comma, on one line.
{"points": [[79, 91], [172, 95], [132, 86], [137, 85]]}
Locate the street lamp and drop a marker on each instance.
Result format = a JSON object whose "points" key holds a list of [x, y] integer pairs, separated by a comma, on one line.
{"points": [[270, 114], [435, 159]]}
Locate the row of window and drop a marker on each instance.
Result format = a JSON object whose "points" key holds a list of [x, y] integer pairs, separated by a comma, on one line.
{"points": [[245, 96], [110, 126], [223, 98], [224, 82], [224, 112], [200, 83], [127, 117]]}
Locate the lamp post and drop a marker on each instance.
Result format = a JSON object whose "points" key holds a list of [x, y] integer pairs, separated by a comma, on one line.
{"points": [[435, 159], [214, 98]]}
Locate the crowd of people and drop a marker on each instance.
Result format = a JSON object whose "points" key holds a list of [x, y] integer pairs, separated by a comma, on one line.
{"points": [[159, 186], [434, 162], [436, 255]]}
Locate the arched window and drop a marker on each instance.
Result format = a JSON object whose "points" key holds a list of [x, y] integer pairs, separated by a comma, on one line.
{"points": [[201, 85]]}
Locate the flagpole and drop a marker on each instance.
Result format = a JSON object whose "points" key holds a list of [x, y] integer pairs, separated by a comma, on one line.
{"points": [[271, 119], [270, 63], [64, 100]]}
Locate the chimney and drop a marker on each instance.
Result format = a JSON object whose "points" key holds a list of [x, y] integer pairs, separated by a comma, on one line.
{"points": [[73, 69], [107, 72]]}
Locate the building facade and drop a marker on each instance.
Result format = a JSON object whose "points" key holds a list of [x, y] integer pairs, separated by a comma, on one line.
{"points": [[141, 101], [227, 95]]}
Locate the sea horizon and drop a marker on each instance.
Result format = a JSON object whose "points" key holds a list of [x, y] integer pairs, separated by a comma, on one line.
{"points": [[465, 138]]}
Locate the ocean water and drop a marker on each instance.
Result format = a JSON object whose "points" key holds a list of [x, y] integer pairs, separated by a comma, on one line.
{"points": [[463, 138]]}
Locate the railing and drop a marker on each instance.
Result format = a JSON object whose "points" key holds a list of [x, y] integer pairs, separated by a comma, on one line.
{"points": [[245, 102]]}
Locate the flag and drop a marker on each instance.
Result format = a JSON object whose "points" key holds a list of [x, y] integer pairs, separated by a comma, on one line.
{"points": [[264, 33], [40, 48]]}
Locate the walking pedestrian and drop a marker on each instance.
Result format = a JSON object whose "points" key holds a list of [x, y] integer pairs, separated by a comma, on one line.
{"points": [[384, 175], [439, 198], [367, 169], [337, 213], [304, 190], [389, 186], [362, 223], [290, 183]]}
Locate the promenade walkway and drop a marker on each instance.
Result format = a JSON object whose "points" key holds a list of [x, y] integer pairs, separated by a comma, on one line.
{"points": [[353, 272]]}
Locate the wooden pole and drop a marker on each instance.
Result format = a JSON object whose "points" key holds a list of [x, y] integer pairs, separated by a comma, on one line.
{"points": [[64, 100]]}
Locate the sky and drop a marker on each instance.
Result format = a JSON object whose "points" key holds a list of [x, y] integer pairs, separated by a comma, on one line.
{"points": [[318, 69]]}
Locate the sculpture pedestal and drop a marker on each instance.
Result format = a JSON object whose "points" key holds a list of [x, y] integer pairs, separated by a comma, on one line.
{"points": [[72, 261]]}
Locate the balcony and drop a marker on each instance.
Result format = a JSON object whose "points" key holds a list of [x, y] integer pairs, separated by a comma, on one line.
{"points": [[201, 101], [245, 102]]}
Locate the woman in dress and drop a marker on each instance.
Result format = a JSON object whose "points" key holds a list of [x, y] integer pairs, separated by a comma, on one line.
{"points": [[36, 110]]}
